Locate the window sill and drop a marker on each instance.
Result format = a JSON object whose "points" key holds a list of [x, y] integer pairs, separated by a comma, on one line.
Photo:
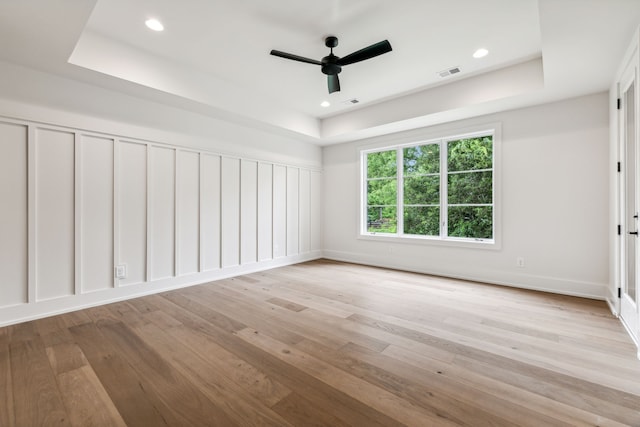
{"points": [[431, 241]]}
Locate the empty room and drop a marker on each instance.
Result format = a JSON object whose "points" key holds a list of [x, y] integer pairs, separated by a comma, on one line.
{"points": [[319, 213]]}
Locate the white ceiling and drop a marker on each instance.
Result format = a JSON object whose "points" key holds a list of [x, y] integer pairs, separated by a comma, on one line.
{"points": [[213, 56]]}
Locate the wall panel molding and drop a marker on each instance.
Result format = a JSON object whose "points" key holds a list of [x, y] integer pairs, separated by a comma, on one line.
{"points": [[188, 202], [265, 211], [293, 211], [77, 195], [173, 216], [230, 211], [55, 217], [94, 213], [133, 213], [162, 210], [210, 217], [14, 219], [279, 211], [248, 211]]}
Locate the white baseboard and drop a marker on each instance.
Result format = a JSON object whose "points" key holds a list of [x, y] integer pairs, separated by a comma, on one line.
{"points": [[612, 307], [25, 312], [505, 278], [633, 337]]}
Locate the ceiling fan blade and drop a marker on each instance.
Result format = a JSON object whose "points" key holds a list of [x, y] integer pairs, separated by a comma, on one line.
{"points": [[333, 82], [366, 53], [294, 57]]}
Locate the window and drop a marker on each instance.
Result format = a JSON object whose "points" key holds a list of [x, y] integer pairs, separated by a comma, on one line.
{"points": [[438, 190]]}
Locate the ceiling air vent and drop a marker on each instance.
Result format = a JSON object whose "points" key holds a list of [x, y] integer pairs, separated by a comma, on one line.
{"points": [[351, 101], [449, 72]]}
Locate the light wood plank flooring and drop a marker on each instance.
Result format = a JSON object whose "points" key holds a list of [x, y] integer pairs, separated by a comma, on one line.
{"points": [[324, 344]]}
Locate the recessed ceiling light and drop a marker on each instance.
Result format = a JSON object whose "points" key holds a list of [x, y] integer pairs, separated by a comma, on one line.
{"points": [[480, 53], [154, 24], [325, 104]]}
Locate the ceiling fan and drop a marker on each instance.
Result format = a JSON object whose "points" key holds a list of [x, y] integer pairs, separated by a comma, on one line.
{"points": [[332, 65]]}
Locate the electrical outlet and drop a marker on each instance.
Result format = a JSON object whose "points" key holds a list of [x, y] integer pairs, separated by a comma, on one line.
{"points": [[121, 271], [520, 262]]}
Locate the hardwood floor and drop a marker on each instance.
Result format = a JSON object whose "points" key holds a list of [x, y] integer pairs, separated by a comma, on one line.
{"points": [[324, 344]]}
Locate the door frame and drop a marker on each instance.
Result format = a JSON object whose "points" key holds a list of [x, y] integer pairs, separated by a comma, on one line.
{"points": [[628, 311]]}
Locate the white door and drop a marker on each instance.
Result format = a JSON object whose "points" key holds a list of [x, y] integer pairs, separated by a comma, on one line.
{"points": [[630, 171]]}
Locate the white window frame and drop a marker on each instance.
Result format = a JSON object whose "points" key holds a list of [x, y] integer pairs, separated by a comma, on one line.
{"points": [[442, 239]]}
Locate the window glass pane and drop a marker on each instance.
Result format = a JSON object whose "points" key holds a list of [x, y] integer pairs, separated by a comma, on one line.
{"points": [[470, 154], [381, 219], [470, 221], [422, 190], [472, 187], [423, 159], [382, 192], [422, 220], [381, 164]]}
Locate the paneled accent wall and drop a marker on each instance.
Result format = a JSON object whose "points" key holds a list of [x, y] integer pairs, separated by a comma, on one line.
{"points": [[76, 204], [162, 202], [210, 212], [96, 208], [14, 253], [55, 224]]}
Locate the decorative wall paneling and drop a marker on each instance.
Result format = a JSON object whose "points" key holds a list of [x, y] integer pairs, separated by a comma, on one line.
{"points": [[96, 201], [230, 201], [248, 211], [188, 213], [162, 227], [293, 211], [210, 211], [76, 204], [14, 249], [132, 211], [279, 211], [55, 213], [265, 207]]}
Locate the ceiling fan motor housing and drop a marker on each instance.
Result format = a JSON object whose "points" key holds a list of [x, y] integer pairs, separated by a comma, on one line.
{"points": [[330, 65]]}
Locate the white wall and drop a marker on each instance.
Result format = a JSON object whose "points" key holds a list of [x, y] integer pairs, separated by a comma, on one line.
{"points": [[91, 178], [82, 194], [555, 194]]}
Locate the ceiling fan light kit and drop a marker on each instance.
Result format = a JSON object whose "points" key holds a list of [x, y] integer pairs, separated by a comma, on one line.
{"points": [[332, 64]]}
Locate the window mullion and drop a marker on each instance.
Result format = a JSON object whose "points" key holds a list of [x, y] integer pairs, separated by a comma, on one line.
{"points": [[400, 191], [364, 191], [443, 189]]}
